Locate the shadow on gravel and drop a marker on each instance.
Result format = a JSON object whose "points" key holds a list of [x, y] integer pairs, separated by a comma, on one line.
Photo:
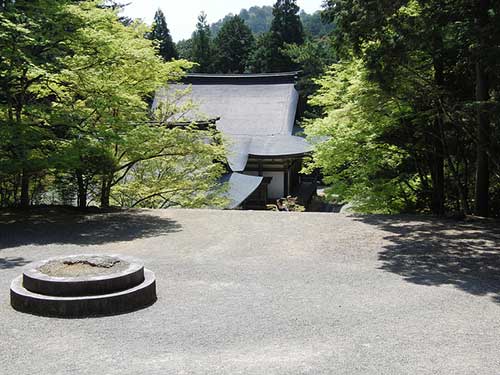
{"points": [[12, 262], [425, 251], [56, 226]]}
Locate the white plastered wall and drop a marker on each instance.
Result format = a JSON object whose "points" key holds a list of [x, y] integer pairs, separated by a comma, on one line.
{"points": [[276, 189]]}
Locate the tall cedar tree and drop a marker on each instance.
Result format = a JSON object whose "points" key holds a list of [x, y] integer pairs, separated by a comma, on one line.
{"points": [[286, 28], [233, 46], [286, 24], [161, 34], [202, 45]]}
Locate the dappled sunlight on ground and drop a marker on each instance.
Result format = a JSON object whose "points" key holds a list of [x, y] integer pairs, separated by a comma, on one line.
{"points": [[465, 254]]}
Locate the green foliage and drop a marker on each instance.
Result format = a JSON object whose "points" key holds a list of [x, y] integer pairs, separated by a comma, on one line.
{"points": [[84, 115], [275, 29], [184, 174], [357, 162], [233, 45], [264, 54], [31, 44], [439, 62], [286, 24], [314, 26], [257, 18], [313, 57], [161, 34], [202, 49], [286, 28], [185, 49]]}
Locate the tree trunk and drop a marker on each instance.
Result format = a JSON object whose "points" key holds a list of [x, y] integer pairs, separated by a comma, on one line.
{"points": [[105, 192], [464, 203], [25, 189], [82, 190], [483, 135], [437, 167], [483, 121], [437, 175]]}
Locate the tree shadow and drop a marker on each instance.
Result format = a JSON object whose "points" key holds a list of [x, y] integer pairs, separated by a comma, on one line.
{"points": [[13, 262], [63, 226], [427, 251]]}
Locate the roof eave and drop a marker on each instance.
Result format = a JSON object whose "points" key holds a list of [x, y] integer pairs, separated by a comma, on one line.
{"points": [[281, 156]]}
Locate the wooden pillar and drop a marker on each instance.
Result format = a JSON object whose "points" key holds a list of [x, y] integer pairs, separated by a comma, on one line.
{"points": [[286, 179]]}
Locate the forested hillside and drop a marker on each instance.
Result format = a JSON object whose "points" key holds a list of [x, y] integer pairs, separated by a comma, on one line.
{"points": [[259, 20], [261, 39]]}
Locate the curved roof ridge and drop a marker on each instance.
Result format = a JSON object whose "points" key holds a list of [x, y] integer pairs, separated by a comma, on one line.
{"points": [[245, 78], [244, 75]]}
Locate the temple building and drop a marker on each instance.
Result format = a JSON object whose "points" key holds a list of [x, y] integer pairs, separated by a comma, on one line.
{"points": [[257, 115]]}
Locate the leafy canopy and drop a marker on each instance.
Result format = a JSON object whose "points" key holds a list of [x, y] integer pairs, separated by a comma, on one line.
{"points": [[85, 113], [357, 162]]}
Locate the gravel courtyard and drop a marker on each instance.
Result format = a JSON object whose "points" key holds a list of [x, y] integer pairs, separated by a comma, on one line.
{"points": [[266, 293]]}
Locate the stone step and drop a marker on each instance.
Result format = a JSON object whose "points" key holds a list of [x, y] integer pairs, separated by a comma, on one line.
{"points": [[129, 275]]}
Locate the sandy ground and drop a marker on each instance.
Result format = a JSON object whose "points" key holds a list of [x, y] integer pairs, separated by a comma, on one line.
{"points": [[266, 293]]}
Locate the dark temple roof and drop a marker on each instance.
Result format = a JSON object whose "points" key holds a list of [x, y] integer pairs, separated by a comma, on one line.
{"points": [[241, 79]]}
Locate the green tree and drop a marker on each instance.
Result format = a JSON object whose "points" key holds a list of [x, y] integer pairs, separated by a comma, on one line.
{"points": [[286, 28], [314, 26], [202, 45], [358, 161], [286, 24], [233, 45], [74, 106], [313, 57], [424, 53], [262, 58], [161, 34], [33, 37], [185, 49], [102, 90]]}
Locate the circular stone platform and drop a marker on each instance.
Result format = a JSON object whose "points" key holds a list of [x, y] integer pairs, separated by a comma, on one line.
{"points": [[84, 285]]}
